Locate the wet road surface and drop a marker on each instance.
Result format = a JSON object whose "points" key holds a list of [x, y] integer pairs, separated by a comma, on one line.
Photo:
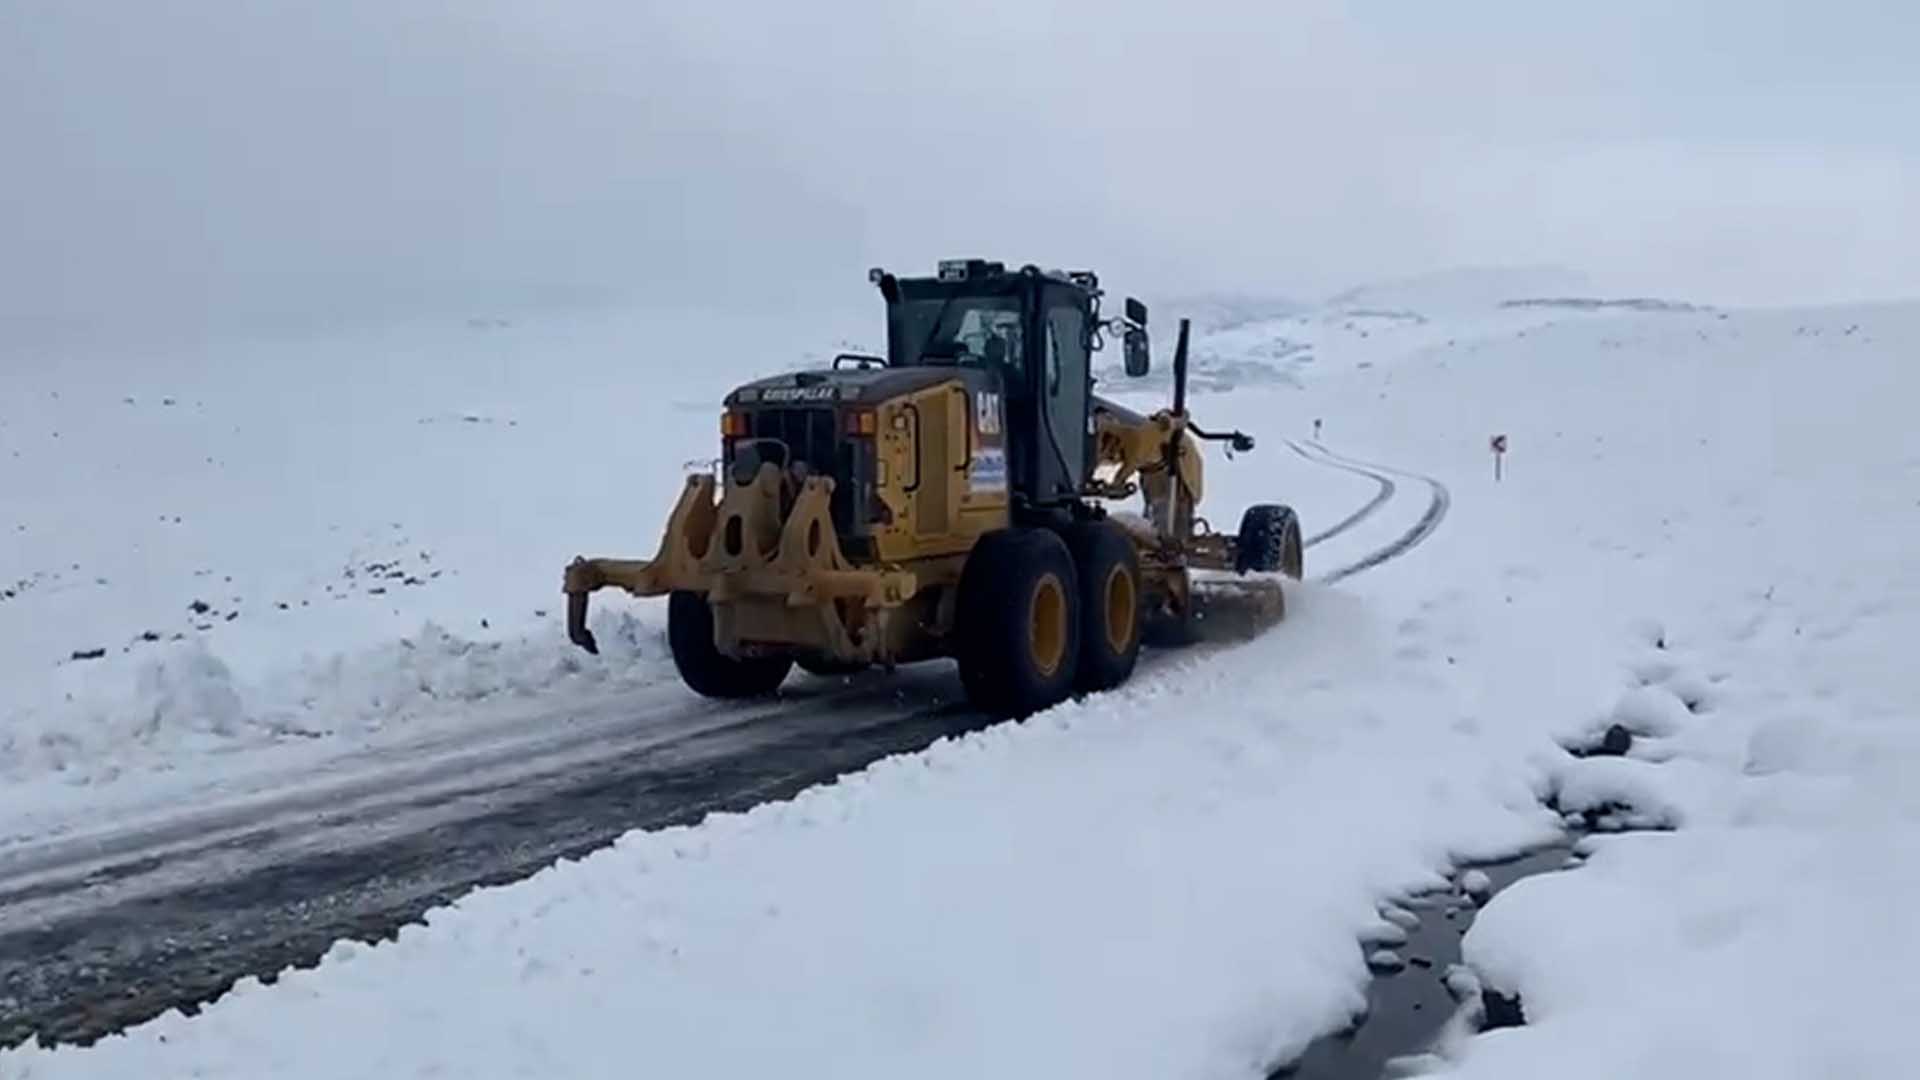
{"points": [[98, 968]]}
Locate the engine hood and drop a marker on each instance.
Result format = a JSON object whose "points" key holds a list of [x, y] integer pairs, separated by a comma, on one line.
{"points": [[869, 386]]}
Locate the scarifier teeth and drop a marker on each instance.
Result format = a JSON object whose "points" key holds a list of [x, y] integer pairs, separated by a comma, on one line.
{"points": [[577, 631]]}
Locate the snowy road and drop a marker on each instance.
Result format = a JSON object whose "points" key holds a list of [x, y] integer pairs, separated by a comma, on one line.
{"points": [[1439, 500], [92, 943], [103, 930], [1386, 491]]}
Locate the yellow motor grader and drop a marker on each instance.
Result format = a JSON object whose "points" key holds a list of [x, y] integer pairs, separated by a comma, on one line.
{"points": [[957, 498]]}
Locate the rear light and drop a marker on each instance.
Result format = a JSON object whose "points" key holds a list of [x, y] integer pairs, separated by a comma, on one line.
{"points": [[733, 425], [862, 423]]}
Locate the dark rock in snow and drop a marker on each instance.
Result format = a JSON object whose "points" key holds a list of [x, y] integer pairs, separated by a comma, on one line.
{"points": [[1616, 742], [199, 607], [1500, 1011], [89, 654]]}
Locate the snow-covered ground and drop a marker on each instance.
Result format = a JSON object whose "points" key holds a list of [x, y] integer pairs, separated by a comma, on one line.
{"points": [[289, 550], [1704, 534]]}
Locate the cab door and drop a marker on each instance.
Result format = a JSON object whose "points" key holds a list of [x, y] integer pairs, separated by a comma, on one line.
{"points": [[1065, 384]]}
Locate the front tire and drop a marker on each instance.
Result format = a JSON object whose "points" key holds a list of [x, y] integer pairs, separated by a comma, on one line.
{"points": [[703, 667], [1109, 580], [1269, 541], [1018, 622]]}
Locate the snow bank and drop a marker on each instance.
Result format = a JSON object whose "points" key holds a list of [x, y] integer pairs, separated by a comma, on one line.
{"points": [[1759, 951], [1777, 723], [187, 709]]}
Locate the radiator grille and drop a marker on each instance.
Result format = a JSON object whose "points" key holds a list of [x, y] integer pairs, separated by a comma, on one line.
{"points": [[812, 435]]}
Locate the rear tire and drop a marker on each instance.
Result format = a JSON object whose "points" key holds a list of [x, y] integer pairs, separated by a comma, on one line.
{"points": [[1269, 541], [1018, 622], [703, 667], [1109, 580]]}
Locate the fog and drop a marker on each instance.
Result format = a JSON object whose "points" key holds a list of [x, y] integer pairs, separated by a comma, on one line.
{"points": [[199, 164]]}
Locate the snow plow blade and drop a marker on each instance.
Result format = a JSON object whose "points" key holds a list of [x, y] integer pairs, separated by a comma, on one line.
{"points": [[1230, 608]]}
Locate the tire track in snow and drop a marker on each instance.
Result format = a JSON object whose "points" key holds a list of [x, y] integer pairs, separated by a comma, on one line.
{"points": [[1380, 497], [1438, 502]]}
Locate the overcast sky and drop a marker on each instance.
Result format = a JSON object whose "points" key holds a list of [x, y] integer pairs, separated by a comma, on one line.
{"points": [[223, 160]]}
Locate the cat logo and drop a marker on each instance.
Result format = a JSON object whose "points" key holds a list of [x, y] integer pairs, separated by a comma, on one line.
{"points": [[986, 412], [799, 393]]}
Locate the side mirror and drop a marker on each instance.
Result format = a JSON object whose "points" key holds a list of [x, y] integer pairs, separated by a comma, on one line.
{"points": [[1138, 360], [1136, 313]]}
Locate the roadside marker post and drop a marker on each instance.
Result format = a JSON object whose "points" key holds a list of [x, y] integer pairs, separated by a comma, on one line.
{"points": [[1499, 445]]}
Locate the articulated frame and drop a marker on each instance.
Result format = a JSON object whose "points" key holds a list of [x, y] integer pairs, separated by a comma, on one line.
{"points": [[1133, 452]]}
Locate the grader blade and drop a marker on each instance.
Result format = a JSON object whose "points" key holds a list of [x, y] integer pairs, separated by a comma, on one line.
{"points": [[1232, 607]]}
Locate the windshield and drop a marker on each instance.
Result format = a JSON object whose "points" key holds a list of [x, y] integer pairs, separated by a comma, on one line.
{"points": [[966, 329]]}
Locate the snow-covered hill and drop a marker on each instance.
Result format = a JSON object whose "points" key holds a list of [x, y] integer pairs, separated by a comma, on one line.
{"points": [[1463, 289], [1703, 536]]}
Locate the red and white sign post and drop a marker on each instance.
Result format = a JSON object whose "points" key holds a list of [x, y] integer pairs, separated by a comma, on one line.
{"points": [[1499, 445]]}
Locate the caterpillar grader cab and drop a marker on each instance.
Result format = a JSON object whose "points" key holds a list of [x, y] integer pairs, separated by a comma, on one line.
{"points": [[966, 496]]}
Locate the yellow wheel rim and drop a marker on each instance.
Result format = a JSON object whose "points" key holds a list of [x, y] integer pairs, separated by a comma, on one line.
{"points": [[1047, 625], [1120, 608]]}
